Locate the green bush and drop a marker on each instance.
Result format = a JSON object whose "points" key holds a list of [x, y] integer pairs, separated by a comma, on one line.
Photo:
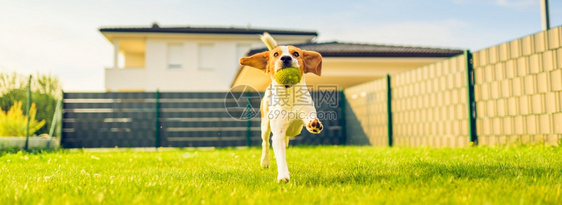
{"points": [[13, 123], [46, 91]]}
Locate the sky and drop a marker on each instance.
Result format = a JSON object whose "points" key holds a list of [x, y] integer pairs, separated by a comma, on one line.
{"points": [[61, 37]]}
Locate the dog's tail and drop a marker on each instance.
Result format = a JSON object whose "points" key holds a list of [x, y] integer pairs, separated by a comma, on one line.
{"points": [[268, 40]]}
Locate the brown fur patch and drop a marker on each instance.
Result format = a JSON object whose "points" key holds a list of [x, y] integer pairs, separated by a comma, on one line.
{"points": [[258, 60]]}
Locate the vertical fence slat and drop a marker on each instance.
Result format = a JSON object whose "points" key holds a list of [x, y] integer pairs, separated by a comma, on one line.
{"points": [[249, 120], [471, 102], [28, 113], [342, 117], [389, 109], [157, 120]]}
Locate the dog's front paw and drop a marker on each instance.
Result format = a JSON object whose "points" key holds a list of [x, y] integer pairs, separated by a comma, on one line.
{"points": [[314, 126], [283, 179], [265, 163]]}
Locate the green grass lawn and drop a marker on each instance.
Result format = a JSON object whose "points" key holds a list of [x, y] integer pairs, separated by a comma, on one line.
{"points": [[319, 175]]}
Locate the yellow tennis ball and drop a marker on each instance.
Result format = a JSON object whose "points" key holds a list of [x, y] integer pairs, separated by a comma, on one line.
{"points": [[288, 76]]}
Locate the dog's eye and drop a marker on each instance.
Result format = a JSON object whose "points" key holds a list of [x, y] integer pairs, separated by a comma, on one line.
{"points": [[275, 54], [296, 54]]}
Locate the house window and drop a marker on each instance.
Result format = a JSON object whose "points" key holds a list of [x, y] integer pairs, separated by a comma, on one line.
{"points": [[175, 53], [207, 56]]}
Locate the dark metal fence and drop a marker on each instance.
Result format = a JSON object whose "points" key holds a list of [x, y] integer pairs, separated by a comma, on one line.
{"points": [[174, 119]]}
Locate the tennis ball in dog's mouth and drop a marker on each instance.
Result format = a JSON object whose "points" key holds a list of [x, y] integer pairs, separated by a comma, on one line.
{"points": [[288, 76]]}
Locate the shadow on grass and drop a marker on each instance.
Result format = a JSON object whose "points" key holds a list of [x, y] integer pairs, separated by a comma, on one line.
{"points": [[419, 173], [415, 173], [33, 150]]}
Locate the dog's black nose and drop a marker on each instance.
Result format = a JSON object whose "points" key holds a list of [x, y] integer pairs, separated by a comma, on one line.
{"points": [[286, 59]]}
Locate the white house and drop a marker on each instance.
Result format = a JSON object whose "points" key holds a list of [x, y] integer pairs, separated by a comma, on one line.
{"points": [[206, 58], [183, 58]]}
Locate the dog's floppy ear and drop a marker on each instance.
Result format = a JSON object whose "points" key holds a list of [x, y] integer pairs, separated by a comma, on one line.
{"points": [[258, 60], [312, 62]]}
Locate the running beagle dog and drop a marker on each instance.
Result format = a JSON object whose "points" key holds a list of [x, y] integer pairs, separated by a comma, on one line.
{"points": [[285, 109]]}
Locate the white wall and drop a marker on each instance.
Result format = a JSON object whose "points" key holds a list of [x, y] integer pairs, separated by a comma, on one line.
{"points": [[125, 79], [190, 77]]}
